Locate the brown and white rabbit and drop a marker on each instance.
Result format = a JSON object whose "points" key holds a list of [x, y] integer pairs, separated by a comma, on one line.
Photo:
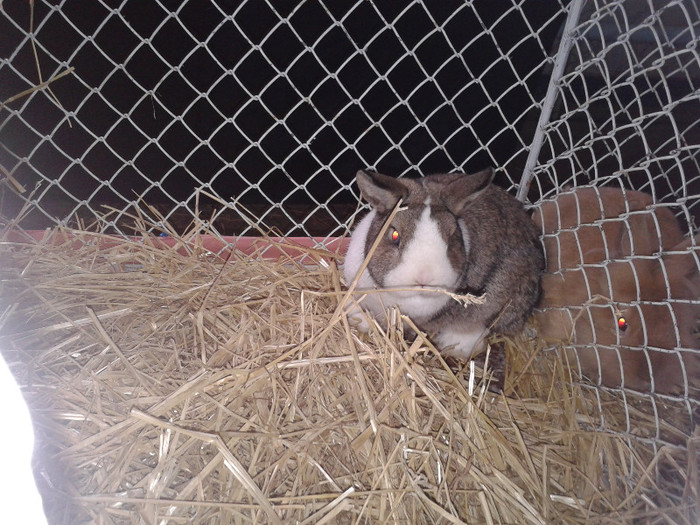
{"points": [[575, 232], [455, 232]]}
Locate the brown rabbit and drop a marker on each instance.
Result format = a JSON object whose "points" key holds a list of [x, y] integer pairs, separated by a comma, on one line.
{"points": [[633, 320], [575, 233]]}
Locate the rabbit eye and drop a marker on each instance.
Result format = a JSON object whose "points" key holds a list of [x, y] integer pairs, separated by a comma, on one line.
{"points": [[395, 237], [622, 324]]}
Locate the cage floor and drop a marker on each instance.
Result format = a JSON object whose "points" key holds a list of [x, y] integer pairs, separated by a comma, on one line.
{"points": [[171, 384]]}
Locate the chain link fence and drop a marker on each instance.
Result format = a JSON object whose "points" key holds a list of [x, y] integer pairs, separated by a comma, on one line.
{"points": [[625, 113], [218, 109], [271, 106]]}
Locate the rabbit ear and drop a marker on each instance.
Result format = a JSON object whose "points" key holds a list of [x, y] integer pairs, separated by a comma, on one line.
{"points": [[380, 191], [465, 188]]}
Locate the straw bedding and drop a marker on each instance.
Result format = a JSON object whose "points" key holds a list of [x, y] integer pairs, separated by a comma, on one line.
{"points": [[175, 386]]}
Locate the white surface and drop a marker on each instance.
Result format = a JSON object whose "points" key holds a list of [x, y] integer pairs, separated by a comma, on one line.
{"points": [[20, 499]]}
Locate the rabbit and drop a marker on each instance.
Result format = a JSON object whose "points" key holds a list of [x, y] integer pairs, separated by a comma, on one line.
{"points": [[456, 232], [574, 232], [621, 345], [673, 276], [648, 328]]}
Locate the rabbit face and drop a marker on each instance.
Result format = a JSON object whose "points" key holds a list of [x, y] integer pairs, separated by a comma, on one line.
{"points": [[422, 248], [620, 346]]}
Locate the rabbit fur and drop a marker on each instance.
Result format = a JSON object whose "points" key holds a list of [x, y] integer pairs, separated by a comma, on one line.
{"points": [[574, 232], [660, 343], [455, 232], [656, 296]]}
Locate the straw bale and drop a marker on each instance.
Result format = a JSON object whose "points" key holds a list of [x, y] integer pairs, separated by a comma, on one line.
{"points": [[177, 386]]}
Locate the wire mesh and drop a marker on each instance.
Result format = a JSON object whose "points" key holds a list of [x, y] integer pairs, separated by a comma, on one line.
{"points": [[268, 105], [626, 116]]}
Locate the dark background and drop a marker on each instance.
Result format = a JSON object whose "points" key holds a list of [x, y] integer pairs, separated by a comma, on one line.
{"points": [[277, 108], [273, 106]]}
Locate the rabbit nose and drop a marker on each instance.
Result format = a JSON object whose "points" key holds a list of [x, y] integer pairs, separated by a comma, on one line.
{"points": [[424, 278]]}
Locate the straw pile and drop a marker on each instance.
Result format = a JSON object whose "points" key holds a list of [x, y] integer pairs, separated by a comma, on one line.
{"points": [[175, 386]]}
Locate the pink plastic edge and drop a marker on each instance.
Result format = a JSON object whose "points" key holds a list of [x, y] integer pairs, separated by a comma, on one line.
{"points": [[271, 248]]}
